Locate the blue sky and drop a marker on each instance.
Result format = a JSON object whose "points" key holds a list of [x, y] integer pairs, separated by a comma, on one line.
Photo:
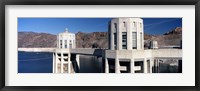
{"points": [[57, 25]]}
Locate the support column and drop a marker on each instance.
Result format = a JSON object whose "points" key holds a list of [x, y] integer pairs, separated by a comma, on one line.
{"points": [[69, 63], [151, 65], [78, 62], [117, 66], [145, 65], [106, 66], [158, 65], [53, 70], [155, 65], [56, 62], [62, 66], [132, 65]]}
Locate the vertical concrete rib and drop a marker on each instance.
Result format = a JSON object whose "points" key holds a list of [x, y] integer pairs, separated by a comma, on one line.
{"points": [[78, 61], [132, 65], [69, 63], [151, 65], [62, 66], [106, 66], [117, 66], [157, 64], [53, 64], [145, 65], [56, 62]]}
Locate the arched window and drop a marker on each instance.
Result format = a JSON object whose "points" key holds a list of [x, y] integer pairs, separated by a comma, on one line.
{"points": [[60, 43], [134, 40], [124, 23], [134, 24], [140, 25], [115, 26], [65, 43], [124, 40]]}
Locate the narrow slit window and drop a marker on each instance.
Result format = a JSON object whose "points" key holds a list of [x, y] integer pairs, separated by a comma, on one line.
{"points": [[134, 40], [124, 40]]}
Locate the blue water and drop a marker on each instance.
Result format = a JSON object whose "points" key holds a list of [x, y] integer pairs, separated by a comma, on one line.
{"points": [[35, 62]]}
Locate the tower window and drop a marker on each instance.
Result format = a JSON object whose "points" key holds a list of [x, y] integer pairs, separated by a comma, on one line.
{"points": [[134, 24], [115, 26], [60, 43], [65, 43], [124, 40], [115, 40], [124, 23], [70, 45], [134, 40], [74, 42]]}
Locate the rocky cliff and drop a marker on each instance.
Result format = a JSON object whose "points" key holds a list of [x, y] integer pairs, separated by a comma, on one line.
{"points": [[171, 38], [92, 40], [36, 40]]}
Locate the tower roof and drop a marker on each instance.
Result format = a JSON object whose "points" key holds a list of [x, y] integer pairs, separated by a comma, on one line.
{"points": [[66, 32], [66, 29]]}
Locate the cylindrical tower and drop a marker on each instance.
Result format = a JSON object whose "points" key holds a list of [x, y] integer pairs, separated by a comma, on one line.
{"points": [[62, 56], [126, 34], [154, 45], [66, 40]]}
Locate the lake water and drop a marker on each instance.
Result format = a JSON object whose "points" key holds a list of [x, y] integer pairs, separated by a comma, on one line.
{"points": [[35, 62], [41, 62]]}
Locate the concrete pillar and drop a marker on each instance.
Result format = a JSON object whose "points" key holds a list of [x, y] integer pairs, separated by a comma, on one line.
{"points": [[56, 62], [78, 61], [158, 66], [119, 39], [145, 65], [69, 63], [132, 65], [111, 38], [106, 66], [151, 65], [117, 66], [155, 65], [62, 66], [53, 64], [129, 35]]}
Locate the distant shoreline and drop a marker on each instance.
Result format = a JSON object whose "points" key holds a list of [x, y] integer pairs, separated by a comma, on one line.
{"points": [[36, 49]]}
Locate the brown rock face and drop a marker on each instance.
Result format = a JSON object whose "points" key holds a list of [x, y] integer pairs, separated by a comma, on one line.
{"points": [[177, 30], [36, 40], [172, 37], [83, 40], [94, 39]]}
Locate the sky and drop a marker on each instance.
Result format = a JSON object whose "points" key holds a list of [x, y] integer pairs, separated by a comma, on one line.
{"points": [[56, 25]]}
